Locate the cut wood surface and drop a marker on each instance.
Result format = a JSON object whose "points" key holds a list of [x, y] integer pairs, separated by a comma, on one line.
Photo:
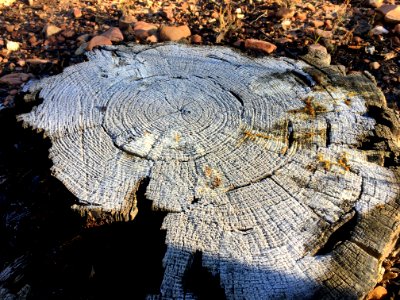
{"points": [[260, 164]]}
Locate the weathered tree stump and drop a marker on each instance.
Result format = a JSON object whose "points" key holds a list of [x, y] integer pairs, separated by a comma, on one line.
{"points": [[281, 173]]}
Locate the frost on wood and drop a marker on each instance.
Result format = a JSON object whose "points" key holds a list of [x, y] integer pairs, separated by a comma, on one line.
{"points": [[257, 162]]}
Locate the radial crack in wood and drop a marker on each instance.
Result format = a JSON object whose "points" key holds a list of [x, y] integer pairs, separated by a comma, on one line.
{"points": [[258, 163]]}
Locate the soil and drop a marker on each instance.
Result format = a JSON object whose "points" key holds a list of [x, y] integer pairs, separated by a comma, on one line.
{"points": [[61, 256]]}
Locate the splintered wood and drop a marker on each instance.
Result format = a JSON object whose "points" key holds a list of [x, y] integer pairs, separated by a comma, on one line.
{"points": [[257, 163]]}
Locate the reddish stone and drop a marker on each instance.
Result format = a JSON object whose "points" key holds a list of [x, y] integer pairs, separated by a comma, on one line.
{"points": [[263, 46], [98, 40], [114, 34], [77, 12], [14, 78], [317, 23], [126, 21], [174, 33], [377, 293], [196, 39], [142, 30], [285, 13], [68, 33]]}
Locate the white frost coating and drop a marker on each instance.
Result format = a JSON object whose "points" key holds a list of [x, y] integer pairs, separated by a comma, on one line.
{"points": [[255, 168]]}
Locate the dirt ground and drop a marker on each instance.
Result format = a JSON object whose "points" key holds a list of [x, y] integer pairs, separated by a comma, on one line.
{"points": [[60, 257]]}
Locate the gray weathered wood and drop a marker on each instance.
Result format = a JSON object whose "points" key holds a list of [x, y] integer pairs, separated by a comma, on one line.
{"points": [[256, 161]]}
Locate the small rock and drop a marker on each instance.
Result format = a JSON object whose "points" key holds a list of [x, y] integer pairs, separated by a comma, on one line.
{"points": [[196, 39], [328, 25], [81, 49], [68, 33], [50, 30], [37, 61], [168, 12], [285, 13], [286, 24], [13, 92], [319, 52], [77, 12], [396, 29], [302, 16], [259, 45], [174, 33], [310, 7], [357, 40], [391, 12], [142, 30], [126, 21], [114, 34], [370, 50], [377, 293], [316, 23], [21, 62], [14, 78], [239, 43], [33, 40], [379, 30], [374, 65], [98, 40], [324, 33], [152, 39], [375, 3], [12, 46], [10, 28], [6, 2], [83, 38]]}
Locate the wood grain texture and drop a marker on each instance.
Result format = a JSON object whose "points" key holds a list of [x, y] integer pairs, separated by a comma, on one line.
{"points": [[258, 162]]}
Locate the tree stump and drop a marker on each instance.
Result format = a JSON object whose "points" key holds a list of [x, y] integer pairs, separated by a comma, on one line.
{"points": [[280, 175]]}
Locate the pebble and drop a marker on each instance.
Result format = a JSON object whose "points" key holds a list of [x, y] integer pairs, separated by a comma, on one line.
{"points": [[81, 49], [77, 12], [378, 30], [68, 33], [286, 24], [196, 39], [377, 293], [114, 34], [310, 7], [317, 23], [174, 33], [50, 30], [14, 78], [12, 46], [320, 53], [324, 33], [375, 3], [285, 13], [302, 16], [374, 65], [126, 21], [152, 39], [13, 92], [142, 29], [396, 29], [259, 45], [83, 38], [10, 28], [98, 40], [6, 2], [391, 12], [37, 61]]}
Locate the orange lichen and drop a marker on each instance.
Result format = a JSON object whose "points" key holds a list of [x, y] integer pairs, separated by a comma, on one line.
{"points": [[310, 108], [342, 162]]}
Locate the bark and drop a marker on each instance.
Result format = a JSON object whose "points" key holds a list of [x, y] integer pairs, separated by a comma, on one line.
{"points": [[281, 173]]}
